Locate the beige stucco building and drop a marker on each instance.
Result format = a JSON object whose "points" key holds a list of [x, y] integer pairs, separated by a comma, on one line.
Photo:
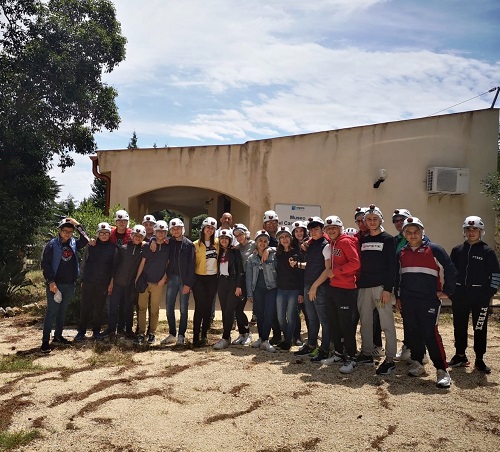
{"points": [[334, 169]]}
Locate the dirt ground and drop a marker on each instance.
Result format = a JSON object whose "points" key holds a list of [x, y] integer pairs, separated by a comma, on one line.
{"points": [[114, 397]]}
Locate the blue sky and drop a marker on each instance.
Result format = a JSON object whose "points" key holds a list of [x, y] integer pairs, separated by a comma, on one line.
{"points": [[227, 71]]}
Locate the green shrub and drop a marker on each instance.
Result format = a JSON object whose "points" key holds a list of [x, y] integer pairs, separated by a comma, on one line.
{"points": [[12, 280]]}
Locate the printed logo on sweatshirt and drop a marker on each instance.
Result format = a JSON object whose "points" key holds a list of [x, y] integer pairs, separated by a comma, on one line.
{"points": [[67, 254], [211, 254], [372, 246], [479, 258], [337, 252]]}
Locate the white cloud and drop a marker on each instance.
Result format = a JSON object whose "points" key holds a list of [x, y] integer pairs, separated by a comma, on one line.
{"points": [[225, 72]]}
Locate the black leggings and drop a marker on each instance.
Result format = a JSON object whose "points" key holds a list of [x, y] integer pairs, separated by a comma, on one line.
{"points": [[204, 290]]}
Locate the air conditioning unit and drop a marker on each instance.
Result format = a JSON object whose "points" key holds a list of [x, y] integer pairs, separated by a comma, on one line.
{"points": [[452, 181]]}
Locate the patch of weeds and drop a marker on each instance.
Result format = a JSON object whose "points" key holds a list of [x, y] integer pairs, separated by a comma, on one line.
{"points": [[16, 363], [110, 358], [383, 398], [377, 442], [12, 440]]}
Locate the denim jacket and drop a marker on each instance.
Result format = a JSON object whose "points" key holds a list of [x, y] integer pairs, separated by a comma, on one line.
{"points": [[269, 268]]}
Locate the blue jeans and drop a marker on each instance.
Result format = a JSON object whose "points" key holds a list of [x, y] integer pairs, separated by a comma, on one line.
{"points": [[264, 304], [286, 305], [174, 287], [317, 312], [56, 312]]}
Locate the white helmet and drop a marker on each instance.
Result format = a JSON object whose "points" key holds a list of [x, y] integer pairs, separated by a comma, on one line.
{"points": [[405, 213], [175, 222], [209, 221], [139, 229], [413, 221], [270, 215], [374, 210], [312, 222], [360, 211], [474, 221], [262, 233], [226, 233], [351, 231], [334, 220], [103, 227], [241, 227], [161, 225], [283, 230], [149, 218], [121, 215], [299, 224]]}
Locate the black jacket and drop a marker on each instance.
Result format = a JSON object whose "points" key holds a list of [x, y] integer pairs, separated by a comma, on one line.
{"points": [[235, 266], [128, 260]]}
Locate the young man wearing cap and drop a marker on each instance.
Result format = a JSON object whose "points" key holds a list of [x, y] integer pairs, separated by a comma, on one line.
{"points": [[375, 284], [97, 273], [180, 273], [149, 222], [315, 297], [419, 293], [120, 235], [478, 280], [124, 295], [152, 268], [60, 269]]}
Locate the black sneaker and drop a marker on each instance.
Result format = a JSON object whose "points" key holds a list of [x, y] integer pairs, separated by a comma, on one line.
{"points": [[151, 339], [98, 337], [285, 345], [60, 341], [481, 366], [79, 337], [367, 360], [200, 342], [275, 340], [139, 340], [320, 356], [386, 368], [304, 350], [459, 361], [45, 348], [253, 321]]}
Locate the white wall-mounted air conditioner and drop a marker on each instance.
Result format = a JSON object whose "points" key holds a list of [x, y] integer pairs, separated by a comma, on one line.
{"points": [[452, 181]]}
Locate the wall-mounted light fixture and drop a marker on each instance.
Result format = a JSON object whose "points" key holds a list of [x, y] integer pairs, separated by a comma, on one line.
{"points": [[382, 176]]}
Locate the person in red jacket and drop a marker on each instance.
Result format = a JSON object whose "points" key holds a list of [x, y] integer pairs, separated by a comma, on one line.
{"points": [[121, 234], [341, 265]]}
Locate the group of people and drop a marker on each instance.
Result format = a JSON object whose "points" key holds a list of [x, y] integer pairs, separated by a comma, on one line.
{"points": [[337, 277]]}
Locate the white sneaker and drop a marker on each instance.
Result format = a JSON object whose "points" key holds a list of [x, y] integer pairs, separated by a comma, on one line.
{"points": [[425, 359], [443, 379], [335, 358], [239, 339], [416, 369], [267, 347], [404, 354], [378, 352], [248, 340], [257, 343], [170, 339], [223, 343], [348, 367], [180, 339]]}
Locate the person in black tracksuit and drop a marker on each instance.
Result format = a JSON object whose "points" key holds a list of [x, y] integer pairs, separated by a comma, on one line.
{"points": [[124, 293], [478, 280], [421, 265], [97, 272]]}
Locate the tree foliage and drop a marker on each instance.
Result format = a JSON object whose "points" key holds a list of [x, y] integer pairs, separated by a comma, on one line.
{"points": [[52, 100]]}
